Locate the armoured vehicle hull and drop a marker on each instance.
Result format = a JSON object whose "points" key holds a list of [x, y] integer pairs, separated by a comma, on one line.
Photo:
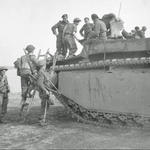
{"points": [[112, 87]]}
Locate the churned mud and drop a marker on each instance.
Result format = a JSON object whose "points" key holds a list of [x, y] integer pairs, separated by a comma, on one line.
{"points": [[63, 132]]}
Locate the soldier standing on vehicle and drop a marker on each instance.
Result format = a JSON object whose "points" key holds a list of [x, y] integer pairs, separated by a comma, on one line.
{"points": [[99, 30], [60, 27], [4, 90], [69, 36], [26, 65], [86, 28]]}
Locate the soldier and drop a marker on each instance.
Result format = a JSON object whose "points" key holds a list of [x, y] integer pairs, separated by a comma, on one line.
{"points": [[44, 86], [26, 65], [60, 27], [142, 32], [69, 36], [99, 30], [4, 90], [137, 32], [86, 29], [127, 35]]}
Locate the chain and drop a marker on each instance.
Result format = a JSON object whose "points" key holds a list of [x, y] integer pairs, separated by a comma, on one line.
{"points": [[103, 119]]}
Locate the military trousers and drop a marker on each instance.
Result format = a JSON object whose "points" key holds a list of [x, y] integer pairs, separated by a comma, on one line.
{"points": [[3, 104], [25, 83], [61, 49], [70, 44], [44, 99]]}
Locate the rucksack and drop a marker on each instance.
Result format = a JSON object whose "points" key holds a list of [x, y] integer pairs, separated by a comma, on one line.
{"points": [[22, 65]]}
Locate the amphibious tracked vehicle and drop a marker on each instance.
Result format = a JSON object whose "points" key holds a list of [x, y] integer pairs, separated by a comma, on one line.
{"points": [[112, 88]]}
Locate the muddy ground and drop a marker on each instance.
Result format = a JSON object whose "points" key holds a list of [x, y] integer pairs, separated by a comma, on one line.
{"points": [[63, 132]]}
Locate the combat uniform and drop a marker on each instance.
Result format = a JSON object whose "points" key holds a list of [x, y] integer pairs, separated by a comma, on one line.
{"points": [[44, 87], [28, 66], [68, 37], [87, 28], [99, 30], [59, 42], [4, 90], [139, 34]]}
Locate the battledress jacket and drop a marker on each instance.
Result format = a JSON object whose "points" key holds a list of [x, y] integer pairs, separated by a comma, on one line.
{"points": [[4, 87], [99, 30]]}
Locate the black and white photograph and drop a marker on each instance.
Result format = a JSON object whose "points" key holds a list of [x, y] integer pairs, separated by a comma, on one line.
{"points": [[74, 74]]}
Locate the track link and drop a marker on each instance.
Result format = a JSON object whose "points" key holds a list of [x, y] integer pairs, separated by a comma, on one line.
{"points": [[103, 119]]}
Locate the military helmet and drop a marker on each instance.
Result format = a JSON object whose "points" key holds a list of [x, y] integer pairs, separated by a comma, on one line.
{"points": [[3, 68], [94, 16], [64, 15], [30, 48], [136, 28], [76, 20]]}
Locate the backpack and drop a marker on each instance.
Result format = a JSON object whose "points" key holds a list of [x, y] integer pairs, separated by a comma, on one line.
{"points": [[22, 65]]}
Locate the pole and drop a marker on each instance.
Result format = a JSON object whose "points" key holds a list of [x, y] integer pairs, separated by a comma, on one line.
{"points": [[119, 9], [39, 54], [45, 112]]}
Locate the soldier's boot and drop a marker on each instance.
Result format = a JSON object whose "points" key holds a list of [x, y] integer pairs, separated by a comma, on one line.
{"points": [[50, 101], [72, 53], [71, 56], [60, 57]]}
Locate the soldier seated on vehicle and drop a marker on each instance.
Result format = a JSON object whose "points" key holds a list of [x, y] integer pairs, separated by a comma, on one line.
{"points": [[143, 30], [127, 35], [44, 83], [140, 33], [4, 90], [137, 33]]}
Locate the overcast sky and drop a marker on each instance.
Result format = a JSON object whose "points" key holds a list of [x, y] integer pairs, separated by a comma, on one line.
{"points": [[25, 22]]}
